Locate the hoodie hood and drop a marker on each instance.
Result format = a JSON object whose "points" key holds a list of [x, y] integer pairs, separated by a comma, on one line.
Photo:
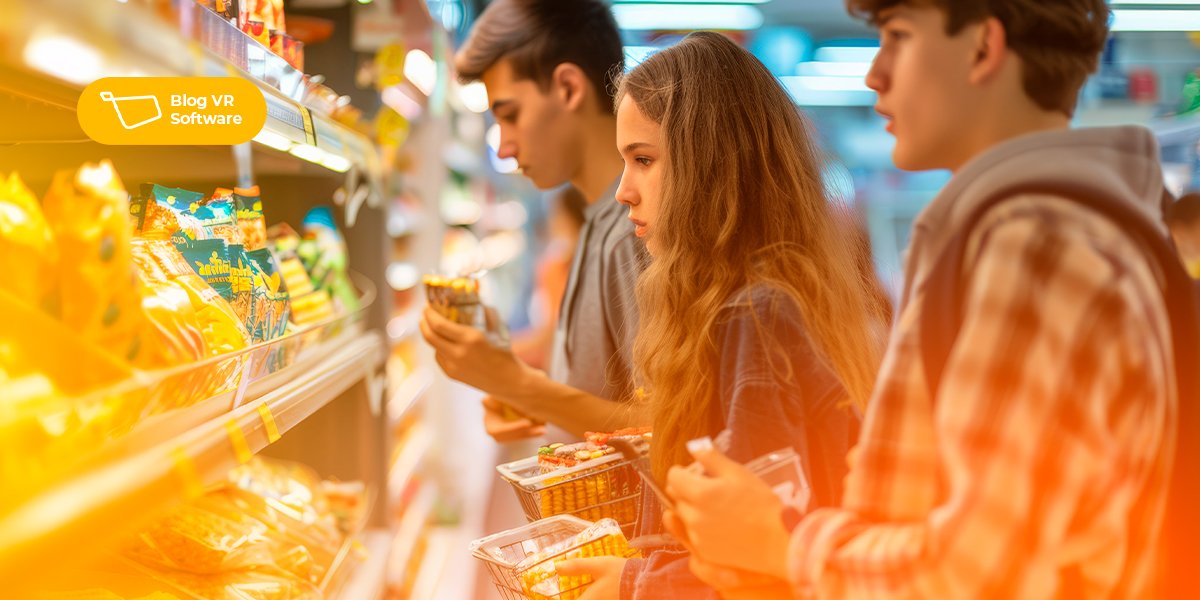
{"points": [[1124, 159]]}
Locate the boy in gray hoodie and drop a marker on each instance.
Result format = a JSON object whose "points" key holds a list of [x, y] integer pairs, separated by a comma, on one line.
{"points": [[1036, 465]]}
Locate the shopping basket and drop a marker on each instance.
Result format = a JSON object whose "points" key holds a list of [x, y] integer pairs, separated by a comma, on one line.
{"points": [[508, 556], [606, 487]]}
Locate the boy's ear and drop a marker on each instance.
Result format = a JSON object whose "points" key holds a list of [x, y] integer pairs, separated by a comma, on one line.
{"points": [[991, 51], [570, 85]]}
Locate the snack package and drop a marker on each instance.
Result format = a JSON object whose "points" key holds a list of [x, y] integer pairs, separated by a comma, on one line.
{"points": [[323, 251], [243, 585], [291, 489], [176, 325], [88, 211], [308, 305], [456, 298], [28, 253], [194, 539], [269, 315], [537, 572], [163, 265], [210, 241]]}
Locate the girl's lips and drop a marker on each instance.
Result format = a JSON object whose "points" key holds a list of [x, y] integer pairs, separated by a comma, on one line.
{"points": [[640, 231]]}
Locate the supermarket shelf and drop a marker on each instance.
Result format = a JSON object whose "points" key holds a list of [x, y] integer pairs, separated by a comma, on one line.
{"points": [[418, 444], [412, 525], [54, 48], [118, 496], [367, 581], [1170, 130], [442, 545], [405, 325], [408, 393]]}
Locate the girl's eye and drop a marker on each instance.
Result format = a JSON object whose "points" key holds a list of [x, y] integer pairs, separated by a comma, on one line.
{"points": [[642, 160]]}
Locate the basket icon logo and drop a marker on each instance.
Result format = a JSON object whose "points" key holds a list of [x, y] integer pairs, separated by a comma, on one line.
{"points": [[168, 111], [118, 101]]}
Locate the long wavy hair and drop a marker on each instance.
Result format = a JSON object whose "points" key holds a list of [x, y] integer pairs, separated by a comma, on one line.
{"points": [[745, 204]]}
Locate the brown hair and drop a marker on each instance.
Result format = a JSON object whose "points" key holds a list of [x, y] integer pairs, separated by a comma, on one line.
{"points": [[1059, 42], [536, 36], [743, 194]]}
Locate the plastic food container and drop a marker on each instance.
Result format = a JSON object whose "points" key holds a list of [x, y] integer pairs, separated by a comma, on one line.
{"points": [[607, 487], [521, 561]]}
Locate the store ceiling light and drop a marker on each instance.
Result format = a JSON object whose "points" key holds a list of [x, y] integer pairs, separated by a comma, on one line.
{"points": [[846, 54], [635, 55], [474, 97], [274, 140], [856, 70], [810, 90], [653, 17], [1156, 20], [420, 69], [63, 57]]}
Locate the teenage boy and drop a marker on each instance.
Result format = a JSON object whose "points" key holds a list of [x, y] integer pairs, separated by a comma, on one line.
{"points": [[1038, 468], [548, 67]]}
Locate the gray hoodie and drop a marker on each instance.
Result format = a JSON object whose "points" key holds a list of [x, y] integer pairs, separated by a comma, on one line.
{"points": [[1121, 158]]}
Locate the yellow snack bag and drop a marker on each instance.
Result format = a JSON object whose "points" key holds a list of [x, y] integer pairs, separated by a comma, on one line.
{"points": [[89, 213], [161, 262], [28, 254]]}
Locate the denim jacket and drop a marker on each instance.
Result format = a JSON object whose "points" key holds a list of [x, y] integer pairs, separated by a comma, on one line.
{"points": [[765, 413]]}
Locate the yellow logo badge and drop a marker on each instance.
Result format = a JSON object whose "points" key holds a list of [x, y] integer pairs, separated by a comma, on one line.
{"points": [[166, 111]]}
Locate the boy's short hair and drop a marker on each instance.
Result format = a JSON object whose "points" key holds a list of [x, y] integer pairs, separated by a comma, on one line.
{"points": [[536, 36], [1059, 41]]}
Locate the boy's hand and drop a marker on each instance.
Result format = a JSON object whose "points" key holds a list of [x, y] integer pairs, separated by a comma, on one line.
{"points": [[506, 424], [479, 359]]}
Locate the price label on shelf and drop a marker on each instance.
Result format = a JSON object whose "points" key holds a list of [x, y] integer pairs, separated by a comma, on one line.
{"points": [[268, 420], [237, 439]]}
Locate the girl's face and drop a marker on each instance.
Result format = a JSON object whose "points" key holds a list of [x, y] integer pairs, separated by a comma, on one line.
{"points": [[639, 140]]}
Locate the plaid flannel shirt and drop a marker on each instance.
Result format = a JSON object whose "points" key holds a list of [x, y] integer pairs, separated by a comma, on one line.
{"points": [[1040, 471]]}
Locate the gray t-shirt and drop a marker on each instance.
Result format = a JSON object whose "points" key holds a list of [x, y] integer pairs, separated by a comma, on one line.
{"points": [[593, 342]]}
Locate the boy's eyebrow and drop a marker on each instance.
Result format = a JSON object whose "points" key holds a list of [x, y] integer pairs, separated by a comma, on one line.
{"points": [[888, 14]]}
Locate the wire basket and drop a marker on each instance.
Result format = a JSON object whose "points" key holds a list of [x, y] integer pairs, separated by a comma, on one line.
{"points": [[517, 576], [604, 488]]}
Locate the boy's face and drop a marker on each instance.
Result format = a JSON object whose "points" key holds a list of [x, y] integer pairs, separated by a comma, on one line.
{"points": [[922, 77], [536, 129]]}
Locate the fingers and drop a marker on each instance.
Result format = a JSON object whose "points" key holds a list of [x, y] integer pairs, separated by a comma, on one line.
{"points": [[441, 327], [579, 566], [686, 485], [717, 464], [676, 527], [504, 430]]}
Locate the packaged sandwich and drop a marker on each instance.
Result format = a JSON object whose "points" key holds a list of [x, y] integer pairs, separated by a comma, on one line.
{"points": [[28, 253]]}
